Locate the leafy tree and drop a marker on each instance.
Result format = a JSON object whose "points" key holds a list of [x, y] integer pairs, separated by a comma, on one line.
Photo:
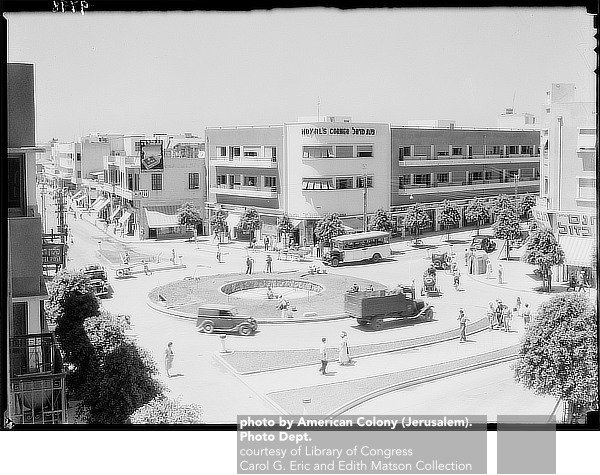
{"points": [[218, 222], [417, 219], [558, 355], [71, 301], [507, 225], [189, 216], [163, 410], [477, 211], [328, 227], [123, 383], [449, 215], [382, 221], [525, 204], [108, 373], [542, 250], [250, 222], [285, 227]]}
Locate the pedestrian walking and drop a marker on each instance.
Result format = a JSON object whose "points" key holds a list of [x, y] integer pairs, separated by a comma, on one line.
{"points": [[462, 320], [500, 274], [489, 268], [499, 320], [467, 257], [506, 318], [323, 356], [491, 315], [343, 350], [146, 269], [284, 306], [527, 315], [169, 357], [519, 307], [173, 256], [219, 253], [457, 279], [581, 282], [269, 263], [266, 242], [249, 262]]}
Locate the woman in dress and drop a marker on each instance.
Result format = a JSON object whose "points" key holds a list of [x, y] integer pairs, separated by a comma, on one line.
{"points": [[344, 351], [169, 357]]}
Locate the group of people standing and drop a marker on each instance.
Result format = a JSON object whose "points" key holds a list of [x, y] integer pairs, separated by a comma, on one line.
{"points": [[344, 358], [500, 316]]}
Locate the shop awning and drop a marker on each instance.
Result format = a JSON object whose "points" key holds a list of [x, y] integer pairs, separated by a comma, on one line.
{"points": [[78, 198], [123, 219], [233, 220], [100, 205], [96, 201], [296, 222], [578, 251], [158, 218], [116, 212], [77, 195], [353, 224]]}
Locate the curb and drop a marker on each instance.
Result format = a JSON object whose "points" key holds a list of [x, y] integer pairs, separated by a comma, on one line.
{"points": [[420, 380]]}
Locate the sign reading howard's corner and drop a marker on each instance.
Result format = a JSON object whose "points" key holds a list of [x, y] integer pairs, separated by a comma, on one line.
{"points": [[337, 131]]}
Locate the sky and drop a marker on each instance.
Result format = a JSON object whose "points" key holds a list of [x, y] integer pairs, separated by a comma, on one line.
{"points": [[181, 72]]}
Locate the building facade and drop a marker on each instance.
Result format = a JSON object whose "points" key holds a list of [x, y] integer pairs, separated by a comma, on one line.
{"points": [[567, 202], [305, 169], [36, 384], [144, 182]]}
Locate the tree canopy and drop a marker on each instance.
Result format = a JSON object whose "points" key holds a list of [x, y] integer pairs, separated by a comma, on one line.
{"points": [[558, 355], [542, 250], [250, 221], [328, 227], [507, 225], [285, 226], [477, 211], [449, 215], [417, 219], [381, 221], [218, 223], [526, 202], [163, 410], [189, 215]]}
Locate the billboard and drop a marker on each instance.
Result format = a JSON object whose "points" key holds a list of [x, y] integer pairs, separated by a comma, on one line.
{"points": [[151, 156]]}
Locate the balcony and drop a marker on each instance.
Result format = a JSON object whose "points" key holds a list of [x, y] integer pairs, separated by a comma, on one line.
{"points": [[34, 354], [241, 190], [458, 159], [244, 162], [474, 185], [124, 192]]}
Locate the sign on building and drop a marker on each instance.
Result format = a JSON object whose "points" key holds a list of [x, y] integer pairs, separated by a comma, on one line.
{"points": [[53, 254], [151, 155], [576, 224]]}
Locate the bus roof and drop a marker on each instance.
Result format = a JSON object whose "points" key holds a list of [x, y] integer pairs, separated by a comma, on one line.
{"points": [[367, 235]]}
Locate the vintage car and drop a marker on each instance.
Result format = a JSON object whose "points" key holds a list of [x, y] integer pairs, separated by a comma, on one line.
{"points": [[483, 243], [224, 317], [98, 279]]}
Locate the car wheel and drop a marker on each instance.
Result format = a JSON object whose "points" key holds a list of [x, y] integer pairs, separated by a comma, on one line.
{"points": [[208, 327], [120, 273], [376, 257], [377, 323], [245, 330], [335, 262], [428, 315], [362, 323], [437, 264]]}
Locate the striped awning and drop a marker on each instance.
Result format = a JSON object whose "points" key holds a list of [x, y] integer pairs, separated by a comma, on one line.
{"points": [[123, 219], [101, 204], [96, 201], [157, 218], [77, 195], [578, 251], [115, 212]]}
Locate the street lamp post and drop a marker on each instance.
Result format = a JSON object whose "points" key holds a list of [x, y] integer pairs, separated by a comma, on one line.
{"points": [[364, 198]]}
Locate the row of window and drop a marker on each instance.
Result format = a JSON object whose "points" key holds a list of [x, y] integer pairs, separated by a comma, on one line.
{"points": [[362, 243], [469, 150], [336, 183], [470, 176], [337, 151], [247, 151], [246, 180], [157, 181]]}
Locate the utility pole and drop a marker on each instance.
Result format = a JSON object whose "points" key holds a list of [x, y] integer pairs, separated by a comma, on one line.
{"points": [[364, 198]]}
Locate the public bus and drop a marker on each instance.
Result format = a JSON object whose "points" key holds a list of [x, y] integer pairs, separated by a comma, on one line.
{"points": [[373, 245]]}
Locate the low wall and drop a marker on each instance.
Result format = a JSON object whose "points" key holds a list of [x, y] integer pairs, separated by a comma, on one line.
{"points": [[240, 285]]}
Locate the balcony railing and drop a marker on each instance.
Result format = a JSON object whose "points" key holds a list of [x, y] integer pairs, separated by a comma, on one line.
{"points": [[247, 162], [468, 157], [34, 354], [243, 190]]}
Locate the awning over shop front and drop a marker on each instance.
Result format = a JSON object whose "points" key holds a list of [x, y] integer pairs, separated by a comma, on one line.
{"points": [[116, 212], [100, 205], [77, 195], [233, 220], [578, 251], [353, 224], [96, 201], [296, 222], [162, 217], [123, 219], [77, 199]]}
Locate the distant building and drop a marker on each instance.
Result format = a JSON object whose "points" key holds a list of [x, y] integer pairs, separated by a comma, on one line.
{"points": [[430, 165], [144, 182], [567, 202], [512, 120], [36, 384]]}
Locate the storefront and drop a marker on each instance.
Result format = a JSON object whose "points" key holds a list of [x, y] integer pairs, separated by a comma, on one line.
{"points": [[162, 222]]}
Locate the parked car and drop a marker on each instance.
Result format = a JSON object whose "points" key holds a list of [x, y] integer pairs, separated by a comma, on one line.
{"points": [[98, 279], [224, 317], [483, 243]]}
